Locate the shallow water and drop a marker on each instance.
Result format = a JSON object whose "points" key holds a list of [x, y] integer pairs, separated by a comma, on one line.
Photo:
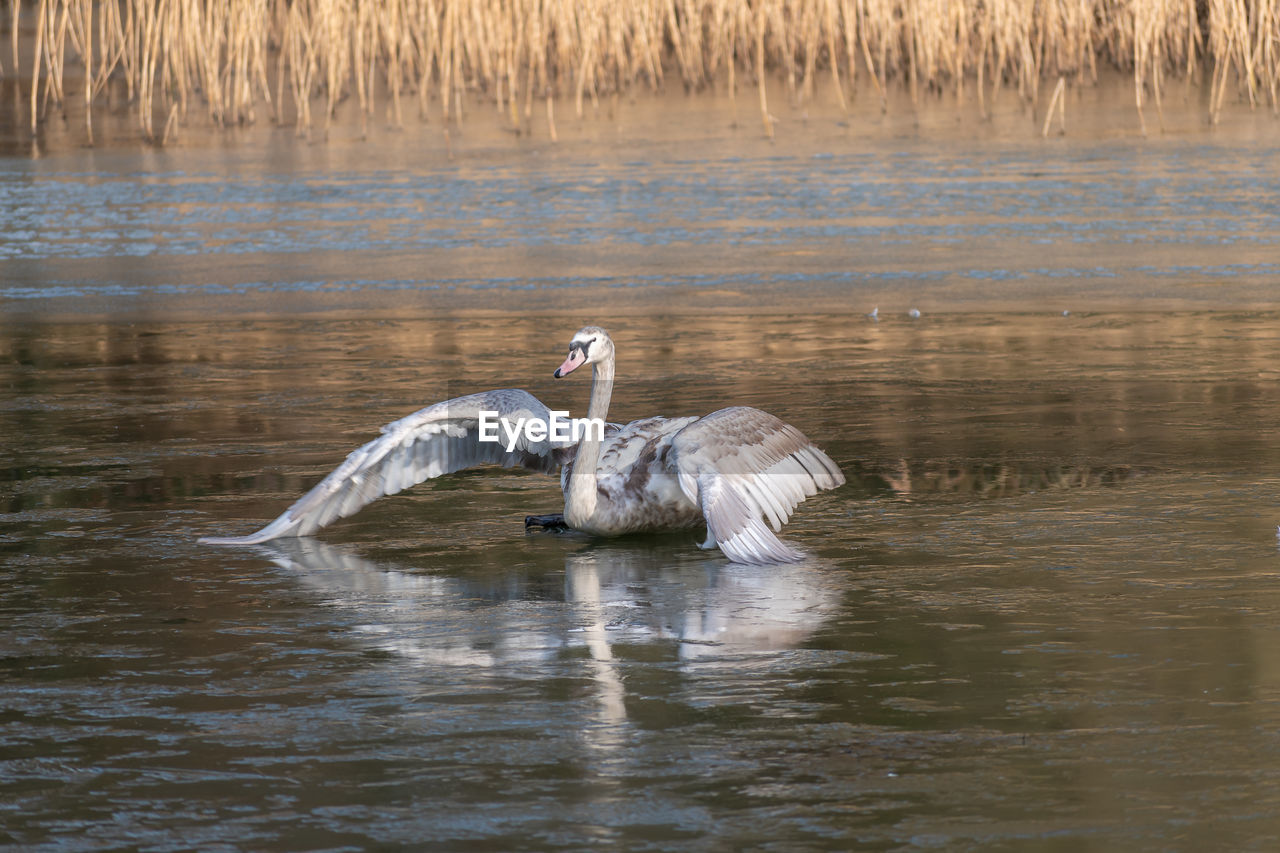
{"points": [[832, 221], [1040, 616]]}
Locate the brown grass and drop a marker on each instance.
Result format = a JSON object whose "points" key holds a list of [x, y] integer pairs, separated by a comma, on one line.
{"points": [[234, 59]]}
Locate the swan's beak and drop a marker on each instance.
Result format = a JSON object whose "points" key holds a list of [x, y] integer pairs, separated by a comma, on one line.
{"points": [[575, 360]]}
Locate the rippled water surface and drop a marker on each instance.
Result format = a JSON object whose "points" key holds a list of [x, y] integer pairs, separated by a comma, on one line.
{"points": [[1170, 222], [1041, 615]]}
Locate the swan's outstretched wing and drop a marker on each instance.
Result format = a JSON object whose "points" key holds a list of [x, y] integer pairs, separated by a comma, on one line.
{"points": [[437, 440], [742, 465]]}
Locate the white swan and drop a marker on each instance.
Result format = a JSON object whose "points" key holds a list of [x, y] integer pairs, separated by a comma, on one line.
{"points": [[729, 470]]}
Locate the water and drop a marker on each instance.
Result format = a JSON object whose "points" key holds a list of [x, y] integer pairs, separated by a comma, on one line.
{"points": [[732, 222], [1040, 616]]}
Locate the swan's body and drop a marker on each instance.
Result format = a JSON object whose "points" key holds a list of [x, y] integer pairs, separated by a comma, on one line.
{"points": [[635, 489], [729, 470]]}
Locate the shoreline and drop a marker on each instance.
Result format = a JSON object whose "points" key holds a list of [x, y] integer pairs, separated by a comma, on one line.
{"points": [[298, 63], [1088, 110]]}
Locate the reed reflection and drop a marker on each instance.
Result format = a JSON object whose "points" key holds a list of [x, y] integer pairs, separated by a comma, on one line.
{"points": [[988, 479]]}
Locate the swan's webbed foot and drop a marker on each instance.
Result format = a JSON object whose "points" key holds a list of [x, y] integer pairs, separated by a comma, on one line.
{"points": [[546, 522]]}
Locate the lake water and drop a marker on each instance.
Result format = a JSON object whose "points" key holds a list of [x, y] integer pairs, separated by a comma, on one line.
{"points": [[1042, 614]]}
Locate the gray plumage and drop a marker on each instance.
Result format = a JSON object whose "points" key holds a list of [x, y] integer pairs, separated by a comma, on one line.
{"points": [[741, 466], [732, 470], [430, 443]]}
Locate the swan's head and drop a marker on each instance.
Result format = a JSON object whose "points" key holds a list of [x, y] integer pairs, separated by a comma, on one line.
{"points": [[589, 346]]}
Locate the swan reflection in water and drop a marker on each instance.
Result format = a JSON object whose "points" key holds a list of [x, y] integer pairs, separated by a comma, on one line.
{"points": [[702, 610]]}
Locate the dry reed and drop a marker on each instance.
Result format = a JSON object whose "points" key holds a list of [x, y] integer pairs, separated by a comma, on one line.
{"points": [[232, 58]]}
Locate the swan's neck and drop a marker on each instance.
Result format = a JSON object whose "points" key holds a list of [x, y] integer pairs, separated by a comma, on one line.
{"points": [[580, 499]]}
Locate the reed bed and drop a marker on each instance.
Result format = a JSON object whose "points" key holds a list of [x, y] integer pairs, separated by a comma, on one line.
{"points": [[297, 60]]}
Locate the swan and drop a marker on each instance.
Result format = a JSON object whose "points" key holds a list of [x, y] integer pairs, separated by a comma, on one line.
{"points": [[729, 470]]}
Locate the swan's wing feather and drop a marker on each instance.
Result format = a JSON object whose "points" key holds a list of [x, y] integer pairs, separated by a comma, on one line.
{"points": [[736, 525], [431, 442], [741, 466]]}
